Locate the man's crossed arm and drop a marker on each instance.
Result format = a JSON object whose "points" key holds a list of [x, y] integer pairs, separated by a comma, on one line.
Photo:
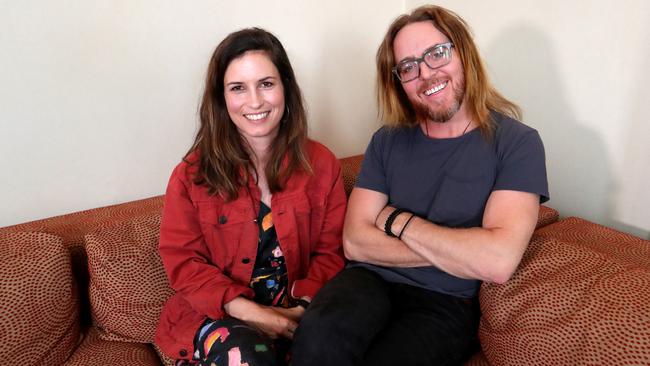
{"points": [[490, 253]]}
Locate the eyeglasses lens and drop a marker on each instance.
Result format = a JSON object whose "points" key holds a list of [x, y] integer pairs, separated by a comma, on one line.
{"points": [[437, 57]]}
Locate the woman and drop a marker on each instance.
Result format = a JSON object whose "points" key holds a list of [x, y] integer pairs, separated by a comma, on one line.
{"points": [[252, 220]]}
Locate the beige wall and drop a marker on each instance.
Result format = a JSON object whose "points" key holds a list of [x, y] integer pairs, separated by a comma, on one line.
{"points": [[580, 70], [98, 99]]}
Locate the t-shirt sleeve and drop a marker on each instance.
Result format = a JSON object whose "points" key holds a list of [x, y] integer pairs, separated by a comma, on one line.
{"points": [[373, 175], [523, 167]]}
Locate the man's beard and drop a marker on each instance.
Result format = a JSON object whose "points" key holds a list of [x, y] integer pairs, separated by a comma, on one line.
{"points": [[424, 112]]}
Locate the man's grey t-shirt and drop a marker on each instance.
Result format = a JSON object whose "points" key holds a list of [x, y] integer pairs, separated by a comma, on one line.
{"points": [[448, 182]]}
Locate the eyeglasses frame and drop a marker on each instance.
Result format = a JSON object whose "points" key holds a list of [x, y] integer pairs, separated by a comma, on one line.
{"points": [[448, 45]]}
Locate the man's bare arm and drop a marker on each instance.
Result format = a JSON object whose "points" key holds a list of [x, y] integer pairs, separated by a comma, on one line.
{"points": [[491, 253], [364, 242]]}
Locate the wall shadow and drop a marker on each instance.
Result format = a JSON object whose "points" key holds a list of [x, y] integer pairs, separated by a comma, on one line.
{"points": [[524, 65], [634, 198]]}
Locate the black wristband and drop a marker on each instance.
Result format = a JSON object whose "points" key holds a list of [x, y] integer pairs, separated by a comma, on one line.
{"points": [[302, 302], [389, 222], [405, 225]]}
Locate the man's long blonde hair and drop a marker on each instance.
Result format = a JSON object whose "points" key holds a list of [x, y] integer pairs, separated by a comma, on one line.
{"points": [[480, 95]]}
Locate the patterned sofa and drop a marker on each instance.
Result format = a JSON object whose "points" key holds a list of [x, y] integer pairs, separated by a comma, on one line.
{"points": [[86, 289]]}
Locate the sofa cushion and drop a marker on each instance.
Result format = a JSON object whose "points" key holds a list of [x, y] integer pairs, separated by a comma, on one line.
{"points": [[580, 296], [128, 285], [546, 215], [477, 359], [350, 168], [94, 351], [39, 321], [73, 226], [166, 360]]}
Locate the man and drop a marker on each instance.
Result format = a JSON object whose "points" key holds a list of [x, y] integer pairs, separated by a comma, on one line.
{"points": [[447, 197]]}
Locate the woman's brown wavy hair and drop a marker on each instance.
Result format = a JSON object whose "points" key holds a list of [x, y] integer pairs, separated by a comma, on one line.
{"points": [[224, 157], [480, 95]]}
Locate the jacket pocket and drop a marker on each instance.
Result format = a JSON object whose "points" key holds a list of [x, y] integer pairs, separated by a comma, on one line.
{"points": [[302, 215], [223, 226], [310, 214]]}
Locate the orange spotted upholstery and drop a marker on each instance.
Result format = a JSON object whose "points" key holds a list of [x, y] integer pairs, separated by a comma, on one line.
{"points": [[71, 228], [95, 351], [546, 216], [580, 297], [477, 360], [128, 285], [39, 322], [112, 253], [350, 168], [166, 360]]}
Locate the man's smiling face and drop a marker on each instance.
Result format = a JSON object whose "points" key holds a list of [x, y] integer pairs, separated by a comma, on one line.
{"points": [[436, 95]]}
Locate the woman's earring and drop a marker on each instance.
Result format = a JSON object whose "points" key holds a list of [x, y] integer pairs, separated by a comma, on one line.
{"points": [[286, 113]]}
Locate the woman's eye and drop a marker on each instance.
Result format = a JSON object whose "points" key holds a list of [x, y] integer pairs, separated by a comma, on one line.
{"points": [[236, 88], [267, 84]]}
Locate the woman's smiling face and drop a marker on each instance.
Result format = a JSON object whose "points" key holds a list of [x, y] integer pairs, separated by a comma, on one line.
{"points": [[254, 96]]}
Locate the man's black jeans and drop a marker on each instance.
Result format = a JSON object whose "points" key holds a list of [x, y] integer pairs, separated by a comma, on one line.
{"points": [[359, 319]]}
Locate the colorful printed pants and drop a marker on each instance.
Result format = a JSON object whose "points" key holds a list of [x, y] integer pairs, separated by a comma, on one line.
{"points": [[231, 342]]}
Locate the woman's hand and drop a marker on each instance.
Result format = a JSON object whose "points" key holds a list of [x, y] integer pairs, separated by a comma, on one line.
{"points": [[294, 313], [274, 322]]}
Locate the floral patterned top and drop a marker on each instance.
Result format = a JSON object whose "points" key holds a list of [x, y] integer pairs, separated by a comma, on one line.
{"points": [[269, 279]]}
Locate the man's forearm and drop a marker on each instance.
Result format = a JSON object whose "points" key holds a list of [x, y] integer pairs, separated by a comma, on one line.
{"points": [[366, 243], [488, 253], [461, 252]]}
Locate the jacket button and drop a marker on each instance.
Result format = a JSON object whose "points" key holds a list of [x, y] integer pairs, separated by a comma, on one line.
{"points": [[246, 260], [223, 219], [183, 352]]}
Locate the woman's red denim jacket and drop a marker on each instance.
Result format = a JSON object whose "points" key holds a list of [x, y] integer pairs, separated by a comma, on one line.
{"points": [[208, 246]]}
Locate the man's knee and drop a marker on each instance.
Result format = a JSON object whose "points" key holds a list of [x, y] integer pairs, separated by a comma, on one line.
{"points": [[342, 319], [352, 295], [350, 286]]}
